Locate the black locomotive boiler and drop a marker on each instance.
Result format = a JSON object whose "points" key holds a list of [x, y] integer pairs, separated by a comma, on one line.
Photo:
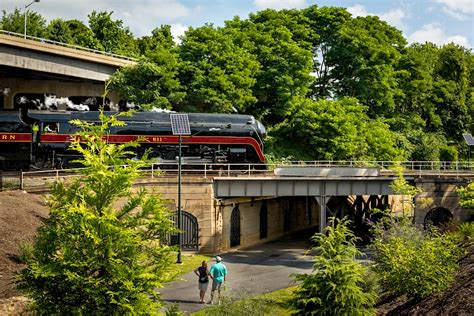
{"points": [[41, 139]]}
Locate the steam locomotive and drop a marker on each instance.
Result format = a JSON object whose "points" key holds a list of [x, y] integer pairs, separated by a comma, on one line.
{"points": [[40, 139]]}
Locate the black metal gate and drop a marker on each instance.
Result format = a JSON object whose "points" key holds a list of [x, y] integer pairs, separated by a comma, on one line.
{"points": [[264, 220], [235, 227], [189, 232]]}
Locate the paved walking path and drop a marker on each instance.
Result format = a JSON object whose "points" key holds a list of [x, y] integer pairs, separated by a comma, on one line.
{"points": [[260, 269]]}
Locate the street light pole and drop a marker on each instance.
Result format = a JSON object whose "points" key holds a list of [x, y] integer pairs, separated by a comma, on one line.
{"points": [[26, 14], [180, 236]]}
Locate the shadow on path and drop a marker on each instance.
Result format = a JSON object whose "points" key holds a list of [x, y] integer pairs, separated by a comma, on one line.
{"points": [[255, 270]]}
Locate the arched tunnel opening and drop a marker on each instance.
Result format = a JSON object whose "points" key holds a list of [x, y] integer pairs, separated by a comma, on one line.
{"points": [[437, 217]]}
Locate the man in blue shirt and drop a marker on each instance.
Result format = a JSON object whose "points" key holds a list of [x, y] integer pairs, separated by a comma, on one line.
{"points": [[218, 274]]}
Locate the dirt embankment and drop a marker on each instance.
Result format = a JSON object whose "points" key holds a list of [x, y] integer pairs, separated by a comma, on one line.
{"points": [[458, 299], [20, 216]]}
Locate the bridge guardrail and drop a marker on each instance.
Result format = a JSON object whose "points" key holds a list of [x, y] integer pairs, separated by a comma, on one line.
{"points": [[41, 178], [47, 41]]}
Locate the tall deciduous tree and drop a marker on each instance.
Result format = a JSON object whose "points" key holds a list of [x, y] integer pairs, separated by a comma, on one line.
{"points": [[218, 75], [149, 84], [112, 35], [324, 24], [283, 51], [336, 130], [72, 32], [363, 59], [93, 256], [14, 22]]}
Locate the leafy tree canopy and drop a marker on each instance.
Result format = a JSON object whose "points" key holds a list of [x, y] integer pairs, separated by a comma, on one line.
{"points": [[15, 22], [218, 74], [335, 130], [112, 35]]}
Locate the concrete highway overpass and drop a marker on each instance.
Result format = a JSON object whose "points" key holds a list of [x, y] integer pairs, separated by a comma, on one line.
{"points": [[34, 66]]}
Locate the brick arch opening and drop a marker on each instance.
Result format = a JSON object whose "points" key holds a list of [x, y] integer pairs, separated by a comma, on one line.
{"points": [[437, 216]]}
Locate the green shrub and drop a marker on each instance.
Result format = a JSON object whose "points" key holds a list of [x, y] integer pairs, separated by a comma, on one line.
{"points": [[448, 153], [337, 285], [414, 262], [90, 257]]}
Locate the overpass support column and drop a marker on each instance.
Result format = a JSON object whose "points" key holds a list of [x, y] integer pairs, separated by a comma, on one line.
{"points": [[322, 200]]}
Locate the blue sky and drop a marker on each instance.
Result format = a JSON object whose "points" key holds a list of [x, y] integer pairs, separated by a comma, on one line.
{"points": [[438, 21]]}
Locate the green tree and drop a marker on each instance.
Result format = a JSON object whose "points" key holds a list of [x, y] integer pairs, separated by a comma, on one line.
{"points": [[94, 255], [334, 130], [218, 75], [58, 30], [150, 84], [363, 59], [324, 23], [112, 35], [160, 39], [72, 32], [14, 22], [281, 46], [336, 285], [452, 91], [154, 81]]}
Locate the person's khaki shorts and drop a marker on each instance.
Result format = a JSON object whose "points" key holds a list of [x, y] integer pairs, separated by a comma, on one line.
{"points": [[203, 286], [216, 285]]}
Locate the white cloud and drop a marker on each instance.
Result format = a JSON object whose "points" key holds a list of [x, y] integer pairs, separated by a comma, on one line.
{"points": [[141, 16], [459, 9], [358, 10], [393, 17], [178, 30], [435, 34], [279, 4]]}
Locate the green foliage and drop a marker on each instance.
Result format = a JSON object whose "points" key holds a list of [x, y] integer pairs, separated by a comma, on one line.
{"points": [[338, 130], [218, 74], [466, 196], [149, 84], [363, 60], [410, 261], [14, 22], [279, 42], [400, 186], [72, 32], [160, 40], [278, 65], [94, 254], [112, 35], [336, 285]]}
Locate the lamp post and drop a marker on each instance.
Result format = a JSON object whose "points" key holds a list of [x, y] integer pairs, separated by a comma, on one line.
{"points": [[26, 14], [180, 127]]}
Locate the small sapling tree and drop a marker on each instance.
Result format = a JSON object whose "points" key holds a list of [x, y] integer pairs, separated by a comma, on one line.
{"points": [[337, 285], [92, 256]]}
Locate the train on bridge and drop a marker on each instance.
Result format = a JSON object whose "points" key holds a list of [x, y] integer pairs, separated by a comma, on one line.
{"points": [[40, 139]]}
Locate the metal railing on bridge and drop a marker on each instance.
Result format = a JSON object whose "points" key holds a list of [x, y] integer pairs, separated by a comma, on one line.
{"points": [[447, 166], [76, 47], [42, 179]]}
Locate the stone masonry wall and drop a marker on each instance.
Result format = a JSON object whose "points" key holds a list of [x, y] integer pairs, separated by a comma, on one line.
{"points": [[439, 192]]}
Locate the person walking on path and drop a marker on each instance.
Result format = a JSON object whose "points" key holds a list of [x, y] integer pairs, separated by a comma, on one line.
{"points": [[218, 275], [203, 274]]}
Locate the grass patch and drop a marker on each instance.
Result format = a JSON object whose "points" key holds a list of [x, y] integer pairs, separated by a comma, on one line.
{"points": [[190, 261], [273, 303]]}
